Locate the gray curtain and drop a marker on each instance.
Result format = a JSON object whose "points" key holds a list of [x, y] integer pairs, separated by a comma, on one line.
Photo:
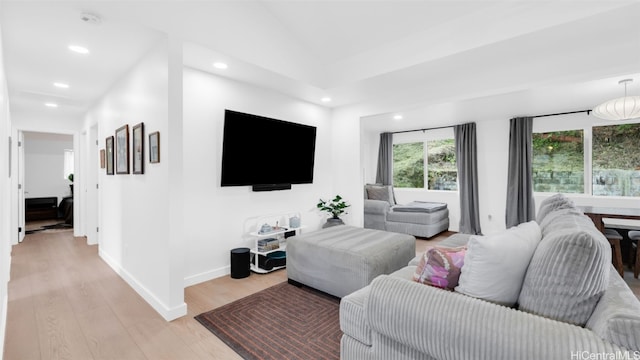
{"points": [[520, 203], [384, 174], [466, 159]]}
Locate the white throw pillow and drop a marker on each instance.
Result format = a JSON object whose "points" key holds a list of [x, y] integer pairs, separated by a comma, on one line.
{"points": [[495, 265]]}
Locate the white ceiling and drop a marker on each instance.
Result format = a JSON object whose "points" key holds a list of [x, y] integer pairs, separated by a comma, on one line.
{"points": [[395, 56]]}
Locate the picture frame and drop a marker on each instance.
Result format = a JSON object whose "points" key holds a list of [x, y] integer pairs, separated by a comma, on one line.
{"points": [[154, 147], [103, 158], [138, 148], [109, 154], [122, 150]]}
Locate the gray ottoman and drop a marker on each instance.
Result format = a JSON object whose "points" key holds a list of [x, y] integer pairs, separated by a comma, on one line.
{"points": [[342, 259]]}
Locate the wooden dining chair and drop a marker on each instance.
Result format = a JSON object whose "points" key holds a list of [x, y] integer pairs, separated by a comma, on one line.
{"points": [[614, 238], [634, 235]]}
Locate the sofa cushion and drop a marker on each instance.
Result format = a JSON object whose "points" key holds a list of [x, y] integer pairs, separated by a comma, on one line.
{"points": [[616, 318], [353, 318], [440, 267], [496, 264], [569, 270], [551, 204]]}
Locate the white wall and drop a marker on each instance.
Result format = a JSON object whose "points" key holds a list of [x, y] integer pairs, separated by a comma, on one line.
{"points": [[217, 219], [44, 164], [7, 199], [135, 211]]}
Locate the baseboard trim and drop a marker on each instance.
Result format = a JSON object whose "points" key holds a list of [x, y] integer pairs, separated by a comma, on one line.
{"points": [[206, 276], [166, 312]]}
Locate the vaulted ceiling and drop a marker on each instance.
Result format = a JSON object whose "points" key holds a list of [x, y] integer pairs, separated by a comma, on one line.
{"points": [[398, 55]]}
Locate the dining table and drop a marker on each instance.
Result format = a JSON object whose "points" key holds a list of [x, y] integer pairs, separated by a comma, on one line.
{"points": [[599, 213]]}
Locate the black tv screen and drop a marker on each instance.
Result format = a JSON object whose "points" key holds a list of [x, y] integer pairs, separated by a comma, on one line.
{"points": [[257, 150]]}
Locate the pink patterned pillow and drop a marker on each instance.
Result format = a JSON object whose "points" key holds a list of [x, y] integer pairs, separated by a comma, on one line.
{"points": [[440, 267]]}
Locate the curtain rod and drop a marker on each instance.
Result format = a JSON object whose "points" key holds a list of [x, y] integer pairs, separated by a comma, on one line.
{"points": [[433, 128], [536, 116], [564, 113]]}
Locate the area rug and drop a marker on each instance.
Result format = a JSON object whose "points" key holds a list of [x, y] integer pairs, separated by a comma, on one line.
{"points": [[281, 322]]}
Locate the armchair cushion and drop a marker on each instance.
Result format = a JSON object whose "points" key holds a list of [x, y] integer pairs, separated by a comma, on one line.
{"points": [[380, 192], [421, 207]]}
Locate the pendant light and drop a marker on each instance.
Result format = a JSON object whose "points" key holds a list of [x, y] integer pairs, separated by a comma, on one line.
{"points": [[624, 108]]}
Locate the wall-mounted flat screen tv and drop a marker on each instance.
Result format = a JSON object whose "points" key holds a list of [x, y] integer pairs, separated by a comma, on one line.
{"points": [[266, 153]]}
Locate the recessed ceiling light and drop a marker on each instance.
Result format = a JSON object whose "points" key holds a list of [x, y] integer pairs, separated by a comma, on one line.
{"points": [[79, 49], [325, 99], [220, 65], [61, 85], [397, 117], [51, 105]]}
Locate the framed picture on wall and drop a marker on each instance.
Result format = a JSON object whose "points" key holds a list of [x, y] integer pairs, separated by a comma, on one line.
{"points": [[138, 149], [109, 155], [154, 147], [103, 157], [122, 150]]}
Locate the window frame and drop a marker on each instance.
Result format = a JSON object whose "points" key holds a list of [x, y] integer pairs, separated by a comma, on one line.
{"points": [[545, 125], [425, 137]]}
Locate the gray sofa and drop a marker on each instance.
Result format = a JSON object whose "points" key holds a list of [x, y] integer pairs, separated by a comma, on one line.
{"points": [[422, 219], [397, 318]]}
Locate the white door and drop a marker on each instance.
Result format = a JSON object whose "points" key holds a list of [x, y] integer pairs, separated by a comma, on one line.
{"points": [[91, 186], [21, 221]]}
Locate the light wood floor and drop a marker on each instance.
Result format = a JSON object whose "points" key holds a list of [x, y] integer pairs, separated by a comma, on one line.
{"points": [[66, 303]]}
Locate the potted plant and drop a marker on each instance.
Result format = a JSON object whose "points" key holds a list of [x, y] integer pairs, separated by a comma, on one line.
{"points": [[335, 207], [70, 177]]}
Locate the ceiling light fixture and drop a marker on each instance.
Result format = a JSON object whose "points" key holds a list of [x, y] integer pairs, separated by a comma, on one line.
{"points": [[325, 99], [61, 85], [397, 117], [90, 18], [624, 108], [220, 65], [51, 105], [79, 49]]}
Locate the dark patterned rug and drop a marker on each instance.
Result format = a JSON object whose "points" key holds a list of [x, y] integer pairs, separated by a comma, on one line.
{"points": [[281, 322]]}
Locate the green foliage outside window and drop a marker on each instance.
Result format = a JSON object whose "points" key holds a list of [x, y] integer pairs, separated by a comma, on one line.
{"points": [[441, 165], [558, 162], [616, 160], [408, 165]]}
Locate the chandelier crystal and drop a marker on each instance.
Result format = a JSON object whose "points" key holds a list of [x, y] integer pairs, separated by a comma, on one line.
{"points": [[624, 108]]}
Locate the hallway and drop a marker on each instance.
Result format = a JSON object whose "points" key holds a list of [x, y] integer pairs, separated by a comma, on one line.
{"points": [[66, 303]]}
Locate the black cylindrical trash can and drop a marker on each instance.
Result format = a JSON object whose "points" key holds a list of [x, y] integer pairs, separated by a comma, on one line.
{"points": [[240, 263]]}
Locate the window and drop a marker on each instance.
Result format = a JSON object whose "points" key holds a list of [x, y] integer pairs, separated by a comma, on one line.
{"points": [[611, 168], [558, 161], [616, 160], [68, 163], [441, 165], [409, 165]]}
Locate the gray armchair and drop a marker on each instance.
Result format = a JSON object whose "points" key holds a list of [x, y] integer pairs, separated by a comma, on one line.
{"points": [[422, 219]]}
